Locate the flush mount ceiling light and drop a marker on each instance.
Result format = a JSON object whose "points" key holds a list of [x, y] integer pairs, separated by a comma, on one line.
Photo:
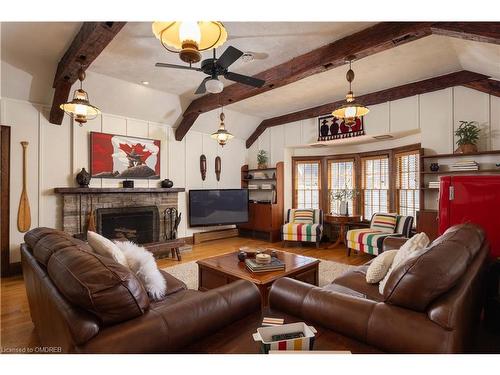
{"points": [[351, 109], [189, 38], [80, 109], [214, 86], [222, 135]]}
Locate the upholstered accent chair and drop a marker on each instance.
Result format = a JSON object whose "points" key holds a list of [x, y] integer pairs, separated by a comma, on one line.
{"points": [[303, 225], [382, 225]]}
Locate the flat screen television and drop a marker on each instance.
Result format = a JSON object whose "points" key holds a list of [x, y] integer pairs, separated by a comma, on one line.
{"points": [[218, 207]]}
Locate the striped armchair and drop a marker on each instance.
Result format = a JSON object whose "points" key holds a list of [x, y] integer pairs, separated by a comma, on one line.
{"points": [[304, 225], [370, 240]]}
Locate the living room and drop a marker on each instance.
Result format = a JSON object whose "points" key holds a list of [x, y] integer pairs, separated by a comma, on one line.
{"points": [[248, 186]]}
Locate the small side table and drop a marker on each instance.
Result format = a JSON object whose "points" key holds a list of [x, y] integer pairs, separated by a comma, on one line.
{"points": [[342, 221]]}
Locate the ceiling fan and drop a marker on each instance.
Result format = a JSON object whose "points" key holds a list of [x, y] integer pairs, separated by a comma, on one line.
{"points": [[216, 67]]}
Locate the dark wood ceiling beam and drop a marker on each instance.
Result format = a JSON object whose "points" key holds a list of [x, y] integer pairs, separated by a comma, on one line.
{"points": [[486, 32], [378, 38], [460, 78], [90, 41], [488, 86]]}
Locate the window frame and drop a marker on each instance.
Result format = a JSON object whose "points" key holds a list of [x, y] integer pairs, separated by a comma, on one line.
{"points": [[355, 186], [294, 179], [378, 156], [397, 190], [324, 203]]}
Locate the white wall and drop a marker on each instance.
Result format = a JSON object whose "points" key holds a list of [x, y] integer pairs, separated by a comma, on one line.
{"points": [[56, 153], [431, 117]]}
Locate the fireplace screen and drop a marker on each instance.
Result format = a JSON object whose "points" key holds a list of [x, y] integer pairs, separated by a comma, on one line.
{"points": [[136, 224]]}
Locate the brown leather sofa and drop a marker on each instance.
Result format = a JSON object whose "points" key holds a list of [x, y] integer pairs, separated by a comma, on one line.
{"points": [[431, 303], [85, 303]]}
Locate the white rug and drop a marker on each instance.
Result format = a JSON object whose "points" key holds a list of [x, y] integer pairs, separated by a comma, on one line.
{"points": [[188, 272]]}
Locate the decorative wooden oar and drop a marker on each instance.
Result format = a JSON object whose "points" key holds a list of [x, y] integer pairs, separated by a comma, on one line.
{"points": [[24, 214], [91, 224]]}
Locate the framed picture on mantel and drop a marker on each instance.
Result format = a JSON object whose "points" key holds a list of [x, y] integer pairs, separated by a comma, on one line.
{"points": [[124, 157]]}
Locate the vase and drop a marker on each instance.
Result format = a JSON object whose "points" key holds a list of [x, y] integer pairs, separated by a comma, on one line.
{"points": [[434, 167], [83, 178], [166, 183], [262, 166], [344, 208]]}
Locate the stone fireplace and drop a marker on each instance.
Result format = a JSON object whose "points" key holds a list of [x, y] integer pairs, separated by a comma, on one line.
{"points": [[129, 212], [136, 224]]}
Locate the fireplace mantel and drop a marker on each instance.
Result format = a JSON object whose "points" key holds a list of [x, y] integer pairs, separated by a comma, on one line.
{"points": [[80, 190]]}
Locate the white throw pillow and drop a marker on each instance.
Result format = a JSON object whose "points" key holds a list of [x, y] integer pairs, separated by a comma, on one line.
{"points": [[417, 242], [380, 266], [102, 246], [142, 263]]}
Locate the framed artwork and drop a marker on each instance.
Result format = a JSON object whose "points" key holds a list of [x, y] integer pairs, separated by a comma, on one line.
{"points": [[124, 157], [330, 128]]}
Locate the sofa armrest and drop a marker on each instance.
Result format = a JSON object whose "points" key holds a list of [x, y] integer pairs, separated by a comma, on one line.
{"points": [[393, 243], [168, 327], [342, 313]]}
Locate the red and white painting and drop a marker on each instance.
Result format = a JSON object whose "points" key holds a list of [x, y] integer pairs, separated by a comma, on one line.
{"points": [[120, 156]]}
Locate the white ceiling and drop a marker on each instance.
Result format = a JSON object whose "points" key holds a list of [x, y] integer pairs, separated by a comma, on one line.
{"points": [[132, 54]]}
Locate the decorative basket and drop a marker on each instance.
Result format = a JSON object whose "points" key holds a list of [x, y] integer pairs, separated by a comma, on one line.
{"points": [[265, 334]]}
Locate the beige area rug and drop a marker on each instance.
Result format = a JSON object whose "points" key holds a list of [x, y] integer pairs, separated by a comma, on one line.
{"points": [[188, 272]]}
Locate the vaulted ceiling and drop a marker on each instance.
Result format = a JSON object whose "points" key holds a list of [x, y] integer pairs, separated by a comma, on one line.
{"points": [[131, 56]]}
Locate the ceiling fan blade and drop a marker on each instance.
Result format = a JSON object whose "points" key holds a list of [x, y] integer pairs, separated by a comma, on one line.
{"points": [[246, 80], [201, 88], [229, 56], [185, 67]]}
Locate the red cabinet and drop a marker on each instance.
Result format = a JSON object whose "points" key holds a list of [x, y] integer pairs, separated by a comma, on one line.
{"points": [[473, 199]]}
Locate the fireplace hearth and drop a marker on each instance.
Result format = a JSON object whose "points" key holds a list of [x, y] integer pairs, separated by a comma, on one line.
{"points": [[136, 224]]}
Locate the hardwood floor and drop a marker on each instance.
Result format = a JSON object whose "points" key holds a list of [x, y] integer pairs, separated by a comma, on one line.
{"points": [[17, 330]]}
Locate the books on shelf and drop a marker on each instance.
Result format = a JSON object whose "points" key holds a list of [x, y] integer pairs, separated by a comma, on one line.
{"points": [[465, 165], [266, 186], [434, 184], [253, 187], [274, 265]]}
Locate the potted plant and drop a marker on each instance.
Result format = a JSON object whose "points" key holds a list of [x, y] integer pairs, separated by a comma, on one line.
{"points": [[342, 197], [468, 135], [262, 159]]}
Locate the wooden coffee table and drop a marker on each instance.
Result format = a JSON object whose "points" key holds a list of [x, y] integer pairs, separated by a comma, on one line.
{"points": [[224, 269]]}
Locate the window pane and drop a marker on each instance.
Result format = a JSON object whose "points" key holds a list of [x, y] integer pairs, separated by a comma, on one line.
{"points": [[407, 183], [340, 177], [375, 181], [306, 184]]}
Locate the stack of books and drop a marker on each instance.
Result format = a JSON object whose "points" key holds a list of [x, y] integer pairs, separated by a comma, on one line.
{"points": [[266, 186], [274, 265], [465, 165], [434, 184], [253, 187]]}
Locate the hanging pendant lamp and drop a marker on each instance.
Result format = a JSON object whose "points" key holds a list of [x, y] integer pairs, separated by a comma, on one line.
{"points": [[222, 135], [189, 38], [80, 109], [351, 109]]}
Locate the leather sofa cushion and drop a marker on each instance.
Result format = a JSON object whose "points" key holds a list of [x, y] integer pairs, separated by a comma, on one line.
{"points": [[174, 285], [43, 242], [355, 280], [432, 271], [53, 242], [97, 284]]}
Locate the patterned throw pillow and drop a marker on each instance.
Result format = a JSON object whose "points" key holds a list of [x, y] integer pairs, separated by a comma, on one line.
{"points": [[384, 222], [380, 266], [417, 242], [303, 216]]}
